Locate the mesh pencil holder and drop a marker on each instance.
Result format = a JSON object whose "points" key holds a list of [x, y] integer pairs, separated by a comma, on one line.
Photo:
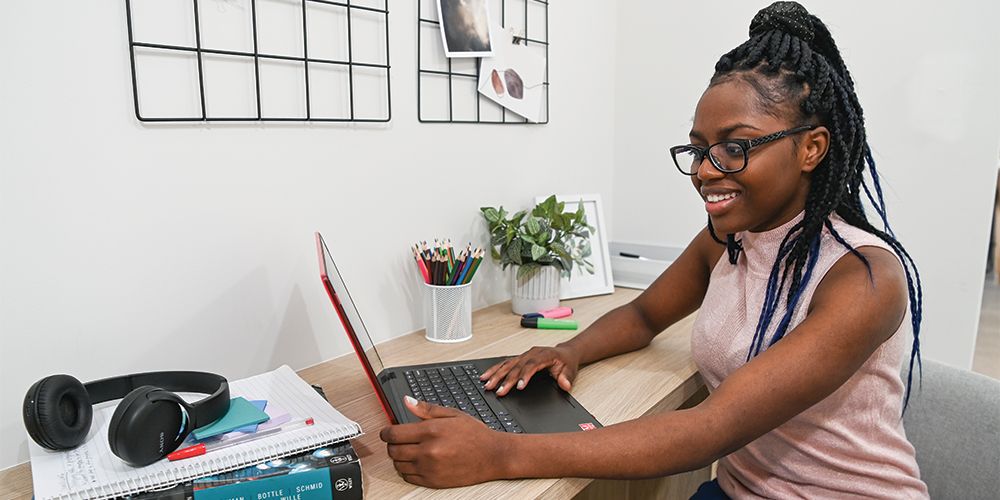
{"points": [[448, 312]]}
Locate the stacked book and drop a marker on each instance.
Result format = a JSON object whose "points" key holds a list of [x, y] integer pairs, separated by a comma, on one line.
{"points": [[309, 462], [329, 472]]}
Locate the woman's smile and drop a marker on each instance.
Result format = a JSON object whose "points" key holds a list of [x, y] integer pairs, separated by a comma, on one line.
{"points": [[718, 201]]}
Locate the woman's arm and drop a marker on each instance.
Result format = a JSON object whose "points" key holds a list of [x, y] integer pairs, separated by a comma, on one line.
{"points": [[675, 294]]}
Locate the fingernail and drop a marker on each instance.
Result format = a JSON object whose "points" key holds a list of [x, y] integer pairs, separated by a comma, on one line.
{"points": [[410, 400], [520, 384], [499, 389]]}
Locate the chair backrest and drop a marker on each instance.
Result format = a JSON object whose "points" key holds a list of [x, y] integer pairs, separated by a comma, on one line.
{"points": [[953, 421]]}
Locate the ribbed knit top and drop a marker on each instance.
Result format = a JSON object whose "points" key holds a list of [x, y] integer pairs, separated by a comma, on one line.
{"points": [[852, 443]]}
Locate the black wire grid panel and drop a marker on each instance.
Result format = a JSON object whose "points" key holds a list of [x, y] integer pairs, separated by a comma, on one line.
{"points": [[458, 77], [257, 57]]}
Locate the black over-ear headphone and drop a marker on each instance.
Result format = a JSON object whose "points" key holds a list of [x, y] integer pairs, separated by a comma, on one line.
{"points": [[150, 421]]}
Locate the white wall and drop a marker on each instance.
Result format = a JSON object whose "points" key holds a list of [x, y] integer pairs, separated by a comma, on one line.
{"points": [[128, 247], [926, 75]]}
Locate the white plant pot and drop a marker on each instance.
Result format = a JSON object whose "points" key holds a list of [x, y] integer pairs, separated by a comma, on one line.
{"points": [[539, 292]]}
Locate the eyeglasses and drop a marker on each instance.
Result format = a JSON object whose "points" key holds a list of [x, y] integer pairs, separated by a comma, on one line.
{"points": [[727, 157]]}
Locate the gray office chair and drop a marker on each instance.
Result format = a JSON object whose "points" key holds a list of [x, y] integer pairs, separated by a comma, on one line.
{"points": [[953, 421]]}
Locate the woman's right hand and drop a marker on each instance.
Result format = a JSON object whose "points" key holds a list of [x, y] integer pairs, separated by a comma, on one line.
{"points": [[562, 362]]}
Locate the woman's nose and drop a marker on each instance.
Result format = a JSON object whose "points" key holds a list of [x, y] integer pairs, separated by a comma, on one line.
{"points": [[707, 171]]}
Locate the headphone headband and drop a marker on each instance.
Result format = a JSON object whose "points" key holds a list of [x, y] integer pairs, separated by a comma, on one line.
{"points": [[216, 386]]}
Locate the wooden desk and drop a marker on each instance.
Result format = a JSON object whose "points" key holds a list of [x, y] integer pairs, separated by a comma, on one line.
{"points": [[658, 378]]}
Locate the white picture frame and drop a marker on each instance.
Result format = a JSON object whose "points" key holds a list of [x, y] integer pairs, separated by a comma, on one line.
{"points": [[581, 283]]}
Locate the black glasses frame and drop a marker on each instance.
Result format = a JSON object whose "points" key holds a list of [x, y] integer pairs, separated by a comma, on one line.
{"points": [[745, 146]]}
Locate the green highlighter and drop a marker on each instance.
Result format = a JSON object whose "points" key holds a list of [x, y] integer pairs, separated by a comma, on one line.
{"points": [[549, 324]]}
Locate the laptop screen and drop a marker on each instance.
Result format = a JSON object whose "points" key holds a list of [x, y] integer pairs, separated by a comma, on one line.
{"points": [[349, 315]]}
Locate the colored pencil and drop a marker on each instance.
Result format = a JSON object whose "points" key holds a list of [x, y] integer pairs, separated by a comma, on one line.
{"points": [[421, 265], [472, 271], [441, 265]]}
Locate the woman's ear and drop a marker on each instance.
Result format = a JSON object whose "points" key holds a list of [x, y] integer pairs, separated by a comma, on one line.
{"points": [[813, 148]]}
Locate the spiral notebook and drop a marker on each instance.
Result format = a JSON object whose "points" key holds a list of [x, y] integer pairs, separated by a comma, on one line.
{"points": [[92, 471]]}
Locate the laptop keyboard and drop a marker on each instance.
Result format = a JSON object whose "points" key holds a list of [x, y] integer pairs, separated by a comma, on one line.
{"points": [[459, 387]]}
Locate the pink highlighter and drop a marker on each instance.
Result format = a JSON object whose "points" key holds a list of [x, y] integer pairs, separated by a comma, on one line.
{"points": [[559, 312]]}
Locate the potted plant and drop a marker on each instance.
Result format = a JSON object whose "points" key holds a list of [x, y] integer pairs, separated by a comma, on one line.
{"points": [[544, 245]]}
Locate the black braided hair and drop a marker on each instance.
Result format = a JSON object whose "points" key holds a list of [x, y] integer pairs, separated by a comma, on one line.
{"points": [[795, 68]]}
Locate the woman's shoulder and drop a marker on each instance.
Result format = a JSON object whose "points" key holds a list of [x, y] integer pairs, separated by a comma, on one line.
{"points": [[862, 269], [844, 232]]}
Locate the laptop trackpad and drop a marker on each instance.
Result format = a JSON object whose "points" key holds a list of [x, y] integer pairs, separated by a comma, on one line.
{"points": [[541, 406]]}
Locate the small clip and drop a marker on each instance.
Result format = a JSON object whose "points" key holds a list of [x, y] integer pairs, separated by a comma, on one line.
{"points": [[517, 36]]}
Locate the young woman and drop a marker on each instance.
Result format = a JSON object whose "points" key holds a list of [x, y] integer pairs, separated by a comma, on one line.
{"points": [[805, 308]]}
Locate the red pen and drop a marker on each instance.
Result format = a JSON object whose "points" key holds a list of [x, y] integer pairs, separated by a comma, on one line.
{"points": [[203, 448]]}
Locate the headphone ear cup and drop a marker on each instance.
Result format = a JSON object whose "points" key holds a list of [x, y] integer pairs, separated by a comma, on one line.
{"points": [[57, 412], [146, 426], [115, 427]]}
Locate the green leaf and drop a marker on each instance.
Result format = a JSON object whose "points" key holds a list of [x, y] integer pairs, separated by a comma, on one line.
{"points": [[516, 219], [491, 214], [537, 252], [562, 222], [495, 253], [528, 239], [560, 250], [549, 203], [514, 252], [533, 225]]}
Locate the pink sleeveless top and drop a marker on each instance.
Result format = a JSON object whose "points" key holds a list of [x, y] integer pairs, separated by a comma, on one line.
{"points": [[852, 443]]}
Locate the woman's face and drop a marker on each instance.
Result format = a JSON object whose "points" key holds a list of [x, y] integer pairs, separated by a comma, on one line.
{"points": [[773, 187]]}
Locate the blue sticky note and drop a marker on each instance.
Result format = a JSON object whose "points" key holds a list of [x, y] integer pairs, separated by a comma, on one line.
{"points": [[261, 404], [241, 413]]}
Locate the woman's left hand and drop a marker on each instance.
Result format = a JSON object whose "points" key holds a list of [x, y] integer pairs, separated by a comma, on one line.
{"points": [[447, 449]]}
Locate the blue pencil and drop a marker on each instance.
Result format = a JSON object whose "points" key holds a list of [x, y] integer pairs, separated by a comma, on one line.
{"points": [[465, 269]]}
